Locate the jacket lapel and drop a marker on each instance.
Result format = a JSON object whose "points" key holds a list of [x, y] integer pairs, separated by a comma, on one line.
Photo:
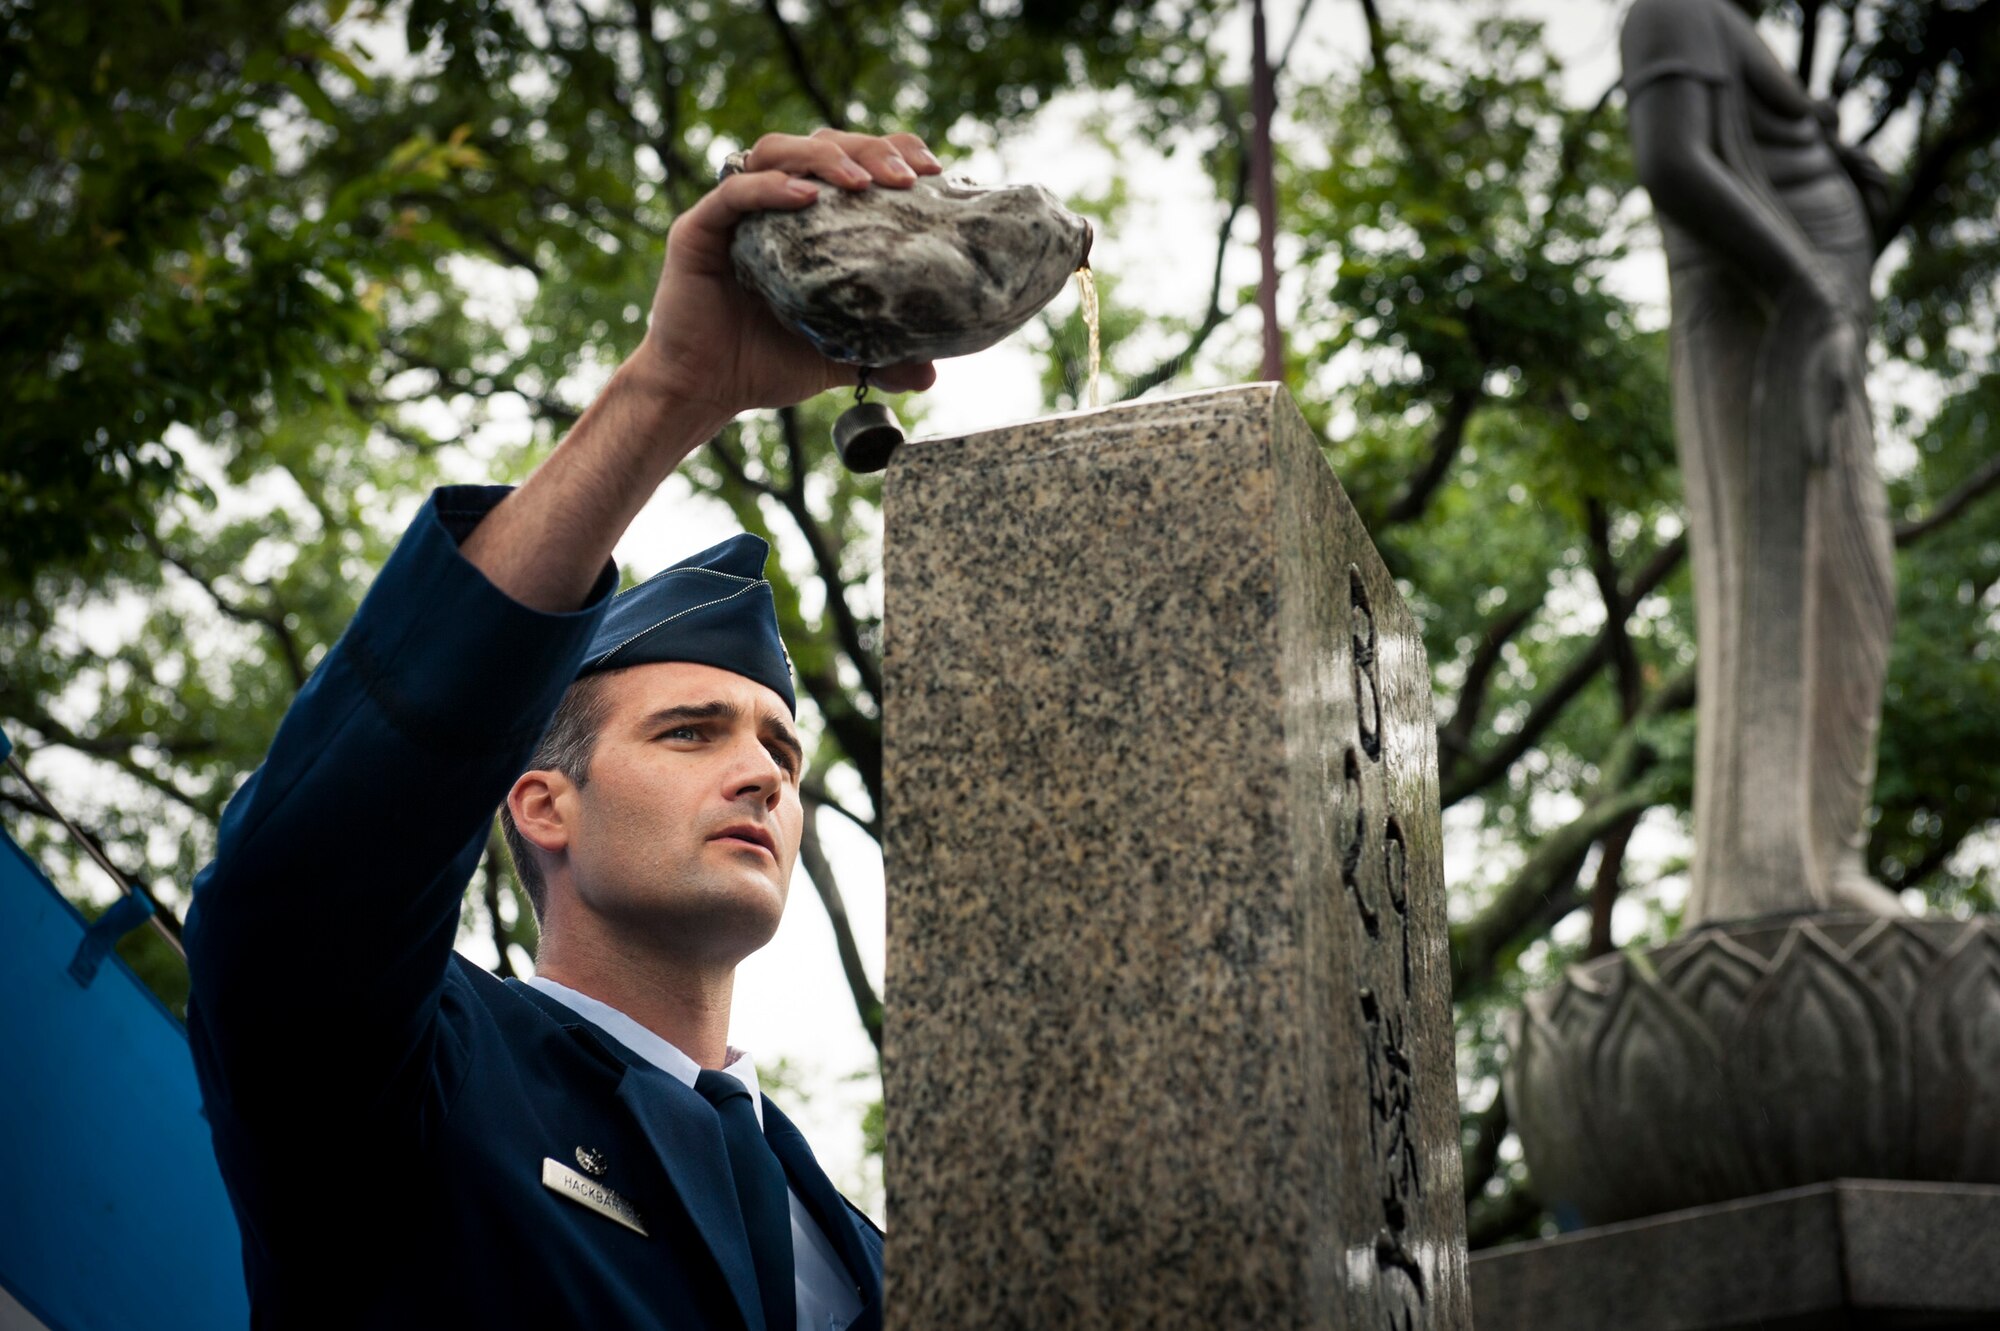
{"points": [[828, 1207], [687, 1140]]}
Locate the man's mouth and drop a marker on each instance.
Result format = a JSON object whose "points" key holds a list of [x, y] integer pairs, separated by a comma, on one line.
{"points": [[749, 834]]}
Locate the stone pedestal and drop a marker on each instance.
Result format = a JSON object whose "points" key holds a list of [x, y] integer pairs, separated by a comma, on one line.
{"points": [[1758, 1055], [1169, 1037], [1847, 1256]]}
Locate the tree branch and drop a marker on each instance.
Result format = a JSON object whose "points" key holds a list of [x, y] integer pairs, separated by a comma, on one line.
{"points": [[665, 142], [1605, 889], [795, 56], [1544, 890], [1572, 148], [1410, 505], [1378, 70], [464, 220], [858, 734], [1455, 736], [818, 868], [1291, 42], [1540, 894], [1213, 317], [1473, 774], [596, 207], [104, 750], [826, 559], [814, 791], [1928, 175], [635, 131], [547, 407], [1847, 63], [1541, 715], [110, 746], [1808, 40], [1617, 608], [271, 619], [1973, 487]]}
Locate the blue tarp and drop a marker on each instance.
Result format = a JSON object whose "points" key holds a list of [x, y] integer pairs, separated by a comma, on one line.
{"points": [[112, 1213]]}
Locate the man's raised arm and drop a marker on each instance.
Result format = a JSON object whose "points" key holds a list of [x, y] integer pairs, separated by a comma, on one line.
{"points": [[324, 926], [712, 350]]}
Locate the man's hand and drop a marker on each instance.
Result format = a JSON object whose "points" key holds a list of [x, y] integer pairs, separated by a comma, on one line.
{"points": [[713, 350], [715, 344]]}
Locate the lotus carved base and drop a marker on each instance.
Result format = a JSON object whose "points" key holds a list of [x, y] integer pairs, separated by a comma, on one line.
{"points": [[1757, 1055]]}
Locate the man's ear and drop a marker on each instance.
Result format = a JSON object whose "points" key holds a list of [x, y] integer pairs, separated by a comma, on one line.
{"points": [[537, 803]]}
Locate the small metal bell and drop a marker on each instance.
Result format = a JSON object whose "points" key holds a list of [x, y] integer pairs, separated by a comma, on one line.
{"points": [[866, 433]]}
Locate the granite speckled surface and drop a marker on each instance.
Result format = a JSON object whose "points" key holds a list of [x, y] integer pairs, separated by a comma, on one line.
{"points": [[1168, 1033]]}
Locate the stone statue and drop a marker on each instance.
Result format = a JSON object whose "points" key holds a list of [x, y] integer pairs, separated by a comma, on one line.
{"points": [[1767, 223], [1800, 1029]]}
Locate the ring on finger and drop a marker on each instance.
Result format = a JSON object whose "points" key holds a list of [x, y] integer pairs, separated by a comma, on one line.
{"points": [[734, 164]]}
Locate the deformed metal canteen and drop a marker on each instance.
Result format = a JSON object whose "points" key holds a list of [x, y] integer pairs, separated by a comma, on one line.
{"points": [[878, 277]]}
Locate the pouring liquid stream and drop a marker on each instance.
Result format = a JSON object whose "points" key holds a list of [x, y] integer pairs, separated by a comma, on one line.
{"points": [[1087, 285]]}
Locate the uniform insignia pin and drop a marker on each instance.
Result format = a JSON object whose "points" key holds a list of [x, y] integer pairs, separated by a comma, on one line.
{"points": [[592, 1161], [559, 1178]]}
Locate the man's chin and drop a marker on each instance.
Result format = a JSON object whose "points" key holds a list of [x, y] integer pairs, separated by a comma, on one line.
{"points": [[737, 913]]}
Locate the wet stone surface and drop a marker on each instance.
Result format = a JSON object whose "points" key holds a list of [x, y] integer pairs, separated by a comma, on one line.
{"points": [[1168, 1036]]}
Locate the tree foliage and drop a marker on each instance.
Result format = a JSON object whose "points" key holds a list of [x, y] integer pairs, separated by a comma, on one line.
{"points": [[269, 271]]}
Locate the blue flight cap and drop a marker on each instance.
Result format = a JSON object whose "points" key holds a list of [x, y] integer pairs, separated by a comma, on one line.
{"points": [[714, 608]]}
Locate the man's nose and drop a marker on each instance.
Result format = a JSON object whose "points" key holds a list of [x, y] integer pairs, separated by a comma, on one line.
{"points": [[754, 771]]}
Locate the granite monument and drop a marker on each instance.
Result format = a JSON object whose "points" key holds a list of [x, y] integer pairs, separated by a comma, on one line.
{"points": [[1170, 1038]]}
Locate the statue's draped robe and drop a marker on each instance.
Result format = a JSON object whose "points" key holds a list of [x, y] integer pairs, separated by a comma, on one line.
{"points": [[1787, 518]]}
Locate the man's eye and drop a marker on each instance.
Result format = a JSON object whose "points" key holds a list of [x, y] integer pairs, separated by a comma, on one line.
{"points": [[681, 732]]}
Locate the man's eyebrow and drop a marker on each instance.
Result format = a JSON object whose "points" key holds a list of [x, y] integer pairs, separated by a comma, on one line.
{"points": [[775, 727], [786, 738], [700, 711]]}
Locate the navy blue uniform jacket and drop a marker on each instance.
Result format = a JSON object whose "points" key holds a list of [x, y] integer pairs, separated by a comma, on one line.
{"points": [[380, 1107]]}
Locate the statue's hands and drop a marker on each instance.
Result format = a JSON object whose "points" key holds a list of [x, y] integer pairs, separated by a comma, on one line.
{"points": [[719, 347], [1815, 296], [1836, 372], [1812, 370]]}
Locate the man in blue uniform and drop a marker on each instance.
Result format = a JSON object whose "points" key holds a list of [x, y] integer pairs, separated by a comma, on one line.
{"points": [[409, 1141]]}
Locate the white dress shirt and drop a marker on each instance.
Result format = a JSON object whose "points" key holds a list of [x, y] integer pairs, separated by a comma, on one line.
{"points": [[826, 1295]]}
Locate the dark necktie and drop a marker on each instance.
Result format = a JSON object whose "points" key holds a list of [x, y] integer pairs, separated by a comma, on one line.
{"points": [[760, 1192]]}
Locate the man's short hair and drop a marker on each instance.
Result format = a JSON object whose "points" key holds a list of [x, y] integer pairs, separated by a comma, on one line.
{"points": [[565, 747]]}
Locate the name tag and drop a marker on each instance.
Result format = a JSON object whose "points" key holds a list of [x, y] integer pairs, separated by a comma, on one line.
{"points": [[560, 1178]]}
